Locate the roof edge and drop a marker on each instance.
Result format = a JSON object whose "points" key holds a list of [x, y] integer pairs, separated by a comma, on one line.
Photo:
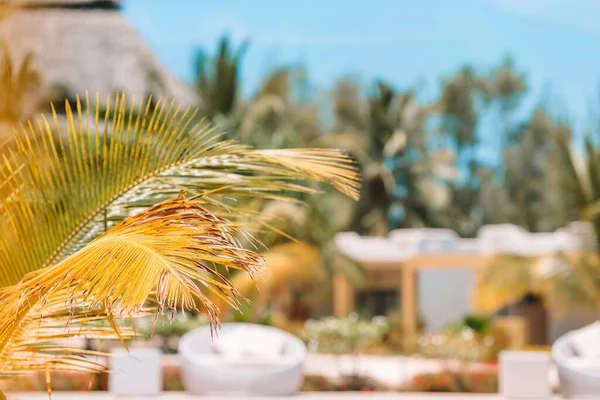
{"points": [[70, 4]]}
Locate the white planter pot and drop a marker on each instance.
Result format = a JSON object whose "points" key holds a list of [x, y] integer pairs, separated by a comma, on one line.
{"points": [[135, 373], [524, 375]]}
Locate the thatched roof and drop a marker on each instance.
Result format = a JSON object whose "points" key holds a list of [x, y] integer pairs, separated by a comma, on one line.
{"points": [[82, 45], [67, 3]]}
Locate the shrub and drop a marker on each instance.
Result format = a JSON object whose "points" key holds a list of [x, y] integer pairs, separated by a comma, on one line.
{"points": [[473, 339], [343, 335], [170, 325]]}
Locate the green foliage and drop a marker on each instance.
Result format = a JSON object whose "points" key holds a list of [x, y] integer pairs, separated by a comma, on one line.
{"points": [[386, 133], [473, 339], [165, 325], [264, 317], [344, 335], [477, 323], [217, 78]]}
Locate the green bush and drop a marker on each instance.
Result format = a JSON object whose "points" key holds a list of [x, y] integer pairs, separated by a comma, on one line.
{"points": [[343, 335], [478, 323], [473, 339], [167, 325]]}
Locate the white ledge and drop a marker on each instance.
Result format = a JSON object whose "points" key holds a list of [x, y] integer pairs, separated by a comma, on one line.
{"points": [[403, 244]]}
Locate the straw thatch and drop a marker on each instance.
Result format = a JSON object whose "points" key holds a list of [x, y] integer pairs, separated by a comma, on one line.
{"points": [[97, 4], [82, 45]]}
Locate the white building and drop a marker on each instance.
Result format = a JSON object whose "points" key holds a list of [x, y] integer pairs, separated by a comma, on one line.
{"points": [[432, 272]]}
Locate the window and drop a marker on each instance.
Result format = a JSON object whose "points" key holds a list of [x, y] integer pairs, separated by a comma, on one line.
{"points": [[377, 302]]}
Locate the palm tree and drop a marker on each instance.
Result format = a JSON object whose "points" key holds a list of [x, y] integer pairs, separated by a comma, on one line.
{"points": [[125, 214], [17, 86], [386, 133], [566, 189], [479, 197], [268, 116], [217, 79], [273, 117], [506, 87]]}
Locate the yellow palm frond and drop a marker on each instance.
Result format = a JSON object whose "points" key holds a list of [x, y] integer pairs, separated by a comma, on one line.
{"points": [[170, 251], [324, 165], [505, 279], [571, 281], [39, 339], [60, 189]]}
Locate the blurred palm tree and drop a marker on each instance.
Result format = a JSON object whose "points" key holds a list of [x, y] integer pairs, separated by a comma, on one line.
{"points": [[272, 118], [531, 191], [581, 178], [217, 79], [505, 279], [94, 228], [572, 194], [18, 85], [270, 115], [460, 105], [465, 98], [506, 87], [404, 177]]}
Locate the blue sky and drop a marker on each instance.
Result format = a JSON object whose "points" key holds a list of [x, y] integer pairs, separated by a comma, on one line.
{"points": [[409, 43]]}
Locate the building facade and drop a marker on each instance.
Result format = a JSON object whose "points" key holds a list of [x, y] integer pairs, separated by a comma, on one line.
{"points": [[431, 274]]}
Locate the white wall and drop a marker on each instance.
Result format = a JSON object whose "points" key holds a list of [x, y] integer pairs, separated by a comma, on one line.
{"points": [[444, 296]]}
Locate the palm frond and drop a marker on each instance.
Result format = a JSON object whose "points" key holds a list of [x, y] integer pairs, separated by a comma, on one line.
{"points": [[356, 143], [171, 251], [40, 340], [506, 278], [323, 165], [575, 180], [573, 281], [61, 189]]}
